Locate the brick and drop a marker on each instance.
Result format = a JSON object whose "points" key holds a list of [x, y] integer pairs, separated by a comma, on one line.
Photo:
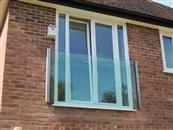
{"points": [[24, 80]]}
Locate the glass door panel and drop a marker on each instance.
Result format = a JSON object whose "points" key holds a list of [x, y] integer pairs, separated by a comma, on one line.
{"points": [[80, 69], [105, 64]]}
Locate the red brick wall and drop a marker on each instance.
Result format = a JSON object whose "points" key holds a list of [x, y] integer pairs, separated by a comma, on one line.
{"points": [[24, 80]]}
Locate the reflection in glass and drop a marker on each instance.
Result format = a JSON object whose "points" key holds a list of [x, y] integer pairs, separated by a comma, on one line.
{"points": [[104, 45], [168, 47], [61, 77], [61, 59], [79, 65], [106, 80], [105, 64], [123, 66], [134, 84]]}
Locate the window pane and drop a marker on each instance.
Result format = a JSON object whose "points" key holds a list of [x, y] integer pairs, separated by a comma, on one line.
{"points": [[168, 51], [61, 59], [79, 62], [78, 38], [61, 40], [105, 64], [104, 41], [123, 65], [106, 80], [121, 43]]}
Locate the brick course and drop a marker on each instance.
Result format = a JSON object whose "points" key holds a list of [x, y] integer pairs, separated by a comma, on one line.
{"points": [[23, 102]]}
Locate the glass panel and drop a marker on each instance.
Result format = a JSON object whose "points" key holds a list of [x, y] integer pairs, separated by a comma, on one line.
{"points": [[52, 75], [79, 62], [106, 80], [61, 30], [78, 38], [134, 84], [168, 51], [123, 66], [105, 64], [61, 59], [121, 42], [104, 41]]}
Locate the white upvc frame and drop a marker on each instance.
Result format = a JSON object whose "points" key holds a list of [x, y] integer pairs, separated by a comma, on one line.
{"points": [[67, 60], [165, 68], [116, 64], [94, 90], [117, 70], [126, 51], [93, 42], [89, 62]]}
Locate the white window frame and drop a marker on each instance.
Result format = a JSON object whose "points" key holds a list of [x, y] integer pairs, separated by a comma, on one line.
{"points": [[93, 103], [68, 88], [166, 34]]}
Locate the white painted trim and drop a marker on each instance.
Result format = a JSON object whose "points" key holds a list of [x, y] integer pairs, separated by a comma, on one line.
{"points": [[165, 69], [90, 14]]}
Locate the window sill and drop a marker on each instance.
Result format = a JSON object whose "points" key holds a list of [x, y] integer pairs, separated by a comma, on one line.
{"points": [[97, 106], [170, 71]]}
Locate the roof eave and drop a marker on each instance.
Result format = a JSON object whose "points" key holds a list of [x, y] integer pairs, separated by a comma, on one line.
{"points": [[123, 13]]}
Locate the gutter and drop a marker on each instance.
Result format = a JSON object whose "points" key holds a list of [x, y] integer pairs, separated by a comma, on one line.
{"points": [[113, 11]]}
